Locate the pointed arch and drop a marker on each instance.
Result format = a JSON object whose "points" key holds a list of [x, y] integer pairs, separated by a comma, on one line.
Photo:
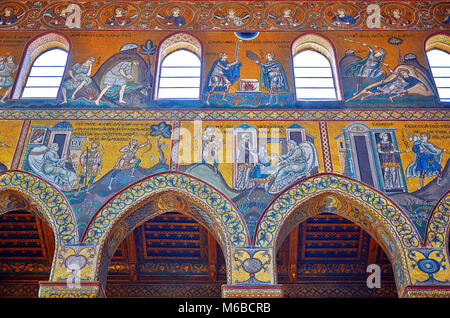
{"points": [[110, 225], [36, 47], [379, 205], [217, 206], [437, 50], [38, 196]]}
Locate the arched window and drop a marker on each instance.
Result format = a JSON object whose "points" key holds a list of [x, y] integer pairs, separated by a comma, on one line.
{"points": [[179, 69], [45, 75], [42, 67], [438, 55], [315, 69]]}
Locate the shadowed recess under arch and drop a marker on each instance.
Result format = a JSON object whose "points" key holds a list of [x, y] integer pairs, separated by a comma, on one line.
{"points": [[46, 200]]}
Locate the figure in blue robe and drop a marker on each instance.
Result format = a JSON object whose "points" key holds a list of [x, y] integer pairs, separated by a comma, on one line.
{"points": [[273, 77], [221, 76], [174, 18], [447, 18], [367, 70], [427, 160], [8, 17], [341, 18]]}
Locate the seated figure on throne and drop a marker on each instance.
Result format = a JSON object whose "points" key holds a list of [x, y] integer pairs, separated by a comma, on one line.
{"points": [[297, 163], [300, 160], [46, 163]]}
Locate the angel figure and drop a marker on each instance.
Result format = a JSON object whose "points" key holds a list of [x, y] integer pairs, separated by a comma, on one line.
{"points": [[231, 18], [120, 17], [286, 19], [174, 18]]}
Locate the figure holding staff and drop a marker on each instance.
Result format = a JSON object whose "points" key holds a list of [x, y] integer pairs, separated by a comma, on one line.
{"points": [[222, 74]]}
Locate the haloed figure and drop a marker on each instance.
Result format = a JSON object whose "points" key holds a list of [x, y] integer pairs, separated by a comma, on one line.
{"points": [[174, 18], [79, 77], [8, 17], [286, 19]]}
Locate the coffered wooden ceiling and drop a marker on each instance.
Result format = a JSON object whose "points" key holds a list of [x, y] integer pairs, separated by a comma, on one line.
{"points": [[174, 256]]}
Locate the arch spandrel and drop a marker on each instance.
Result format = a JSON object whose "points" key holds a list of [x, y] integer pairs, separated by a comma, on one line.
{"points": [[43, 199]]}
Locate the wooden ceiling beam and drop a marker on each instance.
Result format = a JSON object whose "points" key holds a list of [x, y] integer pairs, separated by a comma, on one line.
{"points": [[293, 255], [212, 257], [131, 255]]}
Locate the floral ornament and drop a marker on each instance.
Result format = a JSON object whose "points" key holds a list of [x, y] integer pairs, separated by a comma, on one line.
{"points": [[162, 129]]}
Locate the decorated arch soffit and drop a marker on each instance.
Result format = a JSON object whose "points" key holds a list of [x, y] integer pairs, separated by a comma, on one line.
{"points": [[43, 199], [377, 207], [219, 210]]}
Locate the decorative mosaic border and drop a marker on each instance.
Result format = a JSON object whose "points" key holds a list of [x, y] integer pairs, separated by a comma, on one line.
{"points": [[388, 213], [222, 210], [245, 114], [213, 15], [238, 291], [50, 200]]}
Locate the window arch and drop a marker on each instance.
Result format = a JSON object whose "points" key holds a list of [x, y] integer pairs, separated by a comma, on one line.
{"points": [[179, 68], [315, 69], [438, 54], [42, 67]]}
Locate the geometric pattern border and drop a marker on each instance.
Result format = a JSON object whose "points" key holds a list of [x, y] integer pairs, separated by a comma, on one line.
{"points": [[242, 114]]}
